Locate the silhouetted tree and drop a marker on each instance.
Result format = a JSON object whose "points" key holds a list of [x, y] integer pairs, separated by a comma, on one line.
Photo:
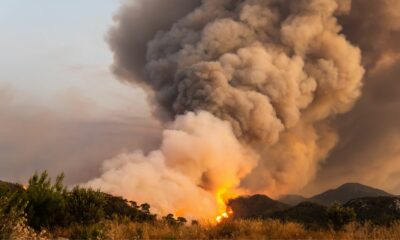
{"points": [[169, 219], [145, 208], [181, 221], [339, 216]]}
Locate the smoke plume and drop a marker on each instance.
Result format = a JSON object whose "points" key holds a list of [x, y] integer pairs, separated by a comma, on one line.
{"points": [[370, 143], [247, 91]]}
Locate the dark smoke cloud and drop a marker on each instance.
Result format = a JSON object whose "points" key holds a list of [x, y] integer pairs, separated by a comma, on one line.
{"points": [[369, 150], [137, 24], [374, 26]]}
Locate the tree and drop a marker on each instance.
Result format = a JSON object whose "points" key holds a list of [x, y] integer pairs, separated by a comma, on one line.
{"points": [[169, 219], [49, 205], [340, 216], [145, 208], [145, 214], [46, 201], [181, 221], [85, 206]]}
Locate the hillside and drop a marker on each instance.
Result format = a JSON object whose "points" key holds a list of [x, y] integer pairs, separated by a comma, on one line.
{"points": [[379, 210], [347, 192], [257, 206], [292, 200], [6, 186], [311, 215]]}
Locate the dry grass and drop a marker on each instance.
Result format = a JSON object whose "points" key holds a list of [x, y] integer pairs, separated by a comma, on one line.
{"points": [[245, 230]]}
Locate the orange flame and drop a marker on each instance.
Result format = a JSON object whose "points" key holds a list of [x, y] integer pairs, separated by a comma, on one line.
{"points": [[222, 196], [223, 216]]}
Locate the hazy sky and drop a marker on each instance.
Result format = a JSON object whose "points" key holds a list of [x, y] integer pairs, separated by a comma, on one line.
{"points": [[49, 47], [60, 107]]}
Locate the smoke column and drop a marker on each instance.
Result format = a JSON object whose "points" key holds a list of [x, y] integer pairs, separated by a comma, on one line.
{"points": [[246, 90], [370, 134]]}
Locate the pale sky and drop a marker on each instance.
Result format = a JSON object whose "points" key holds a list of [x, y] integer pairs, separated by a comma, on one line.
{"points": [[60, 107], [51, 48]]}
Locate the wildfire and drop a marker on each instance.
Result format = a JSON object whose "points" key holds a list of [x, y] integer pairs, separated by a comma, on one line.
{"points": [[224, 216], [222, 196]]}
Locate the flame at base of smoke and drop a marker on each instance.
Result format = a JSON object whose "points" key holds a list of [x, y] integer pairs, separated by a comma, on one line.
{"points": [[197, 169]]}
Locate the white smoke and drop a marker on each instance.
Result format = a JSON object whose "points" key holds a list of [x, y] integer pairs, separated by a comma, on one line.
{"points": [[199, 153], [250, 87]]}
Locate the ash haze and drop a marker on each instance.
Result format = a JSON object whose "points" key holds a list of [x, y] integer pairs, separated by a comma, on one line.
{"points": [[60, 107], [204, 100]]}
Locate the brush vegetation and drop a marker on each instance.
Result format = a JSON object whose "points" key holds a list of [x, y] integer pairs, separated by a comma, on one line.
{"points": [[47, 210]]}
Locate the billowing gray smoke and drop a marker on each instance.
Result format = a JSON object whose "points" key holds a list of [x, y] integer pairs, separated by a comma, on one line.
{"points": [[374, 26], [137, 24], [250, 88], [370, 145]]}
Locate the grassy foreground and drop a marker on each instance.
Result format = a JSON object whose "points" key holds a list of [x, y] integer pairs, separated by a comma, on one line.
{"points": [[242, 229], [269, 229]]}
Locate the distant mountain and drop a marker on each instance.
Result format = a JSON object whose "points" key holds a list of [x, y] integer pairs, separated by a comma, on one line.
{"points": [[261, 206], [310, 215], [292, 200], [257, 206], [378, 210], [347, 192]]}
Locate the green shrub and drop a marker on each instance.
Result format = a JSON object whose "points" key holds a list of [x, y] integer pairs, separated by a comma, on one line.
{"points": [[340, 216], [12, 217], [46, 202], [85, 206]]}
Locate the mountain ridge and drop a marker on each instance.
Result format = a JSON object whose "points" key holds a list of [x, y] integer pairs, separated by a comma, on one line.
{"points": [[341, 194], [292, 199], [346, 192], [255, 206]]}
